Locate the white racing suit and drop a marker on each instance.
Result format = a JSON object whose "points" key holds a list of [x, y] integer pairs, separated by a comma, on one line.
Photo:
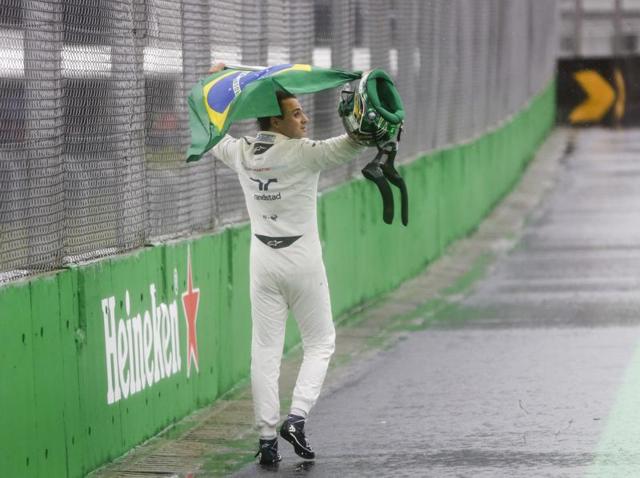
{"points": [[279, 178]]}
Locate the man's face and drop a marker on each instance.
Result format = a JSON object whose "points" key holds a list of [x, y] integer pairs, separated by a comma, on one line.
{"points": [[293, 122]]}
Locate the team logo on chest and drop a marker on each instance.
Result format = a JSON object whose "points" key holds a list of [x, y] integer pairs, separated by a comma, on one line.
{"points": [[263, 186]]}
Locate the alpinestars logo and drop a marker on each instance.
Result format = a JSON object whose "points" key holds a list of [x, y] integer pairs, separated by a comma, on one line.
{"points": [[143, 348]]}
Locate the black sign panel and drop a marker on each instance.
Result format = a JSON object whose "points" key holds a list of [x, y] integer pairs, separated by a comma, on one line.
{"points": [[600, 91]]}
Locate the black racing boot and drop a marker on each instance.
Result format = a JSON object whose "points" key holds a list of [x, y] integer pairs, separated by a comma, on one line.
{"points": [[269, 452], [292, 430]]}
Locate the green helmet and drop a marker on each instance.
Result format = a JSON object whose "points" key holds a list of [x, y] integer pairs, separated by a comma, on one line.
{"points": [[373, 114]]}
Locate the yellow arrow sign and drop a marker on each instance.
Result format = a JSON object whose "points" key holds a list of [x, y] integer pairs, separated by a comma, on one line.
{"points": [[618, 109], [600, 97]]}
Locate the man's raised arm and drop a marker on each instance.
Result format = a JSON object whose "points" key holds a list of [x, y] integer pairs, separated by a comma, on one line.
{"points": [[325, 154]]}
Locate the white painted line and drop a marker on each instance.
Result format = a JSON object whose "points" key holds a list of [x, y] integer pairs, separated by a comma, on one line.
{"points": [[86, 61], [11, 53], [229, 54], [322, 57], [278, 54], [162, 60], [393, 61], [361, 58]]}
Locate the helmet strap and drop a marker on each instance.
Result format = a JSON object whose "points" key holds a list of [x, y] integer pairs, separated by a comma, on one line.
{"points": [[384, 173]]}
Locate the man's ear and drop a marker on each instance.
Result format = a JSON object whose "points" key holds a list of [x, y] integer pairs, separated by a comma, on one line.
{"points": [[274, 122]]}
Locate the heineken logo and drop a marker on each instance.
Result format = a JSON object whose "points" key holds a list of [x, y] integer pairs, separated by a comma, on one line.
{"points": [[143, 346], [190, 300]]}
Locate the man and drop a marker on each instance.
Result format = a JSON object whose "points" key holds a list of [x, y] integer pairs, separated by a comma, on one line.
{"points": [[278, 172]]}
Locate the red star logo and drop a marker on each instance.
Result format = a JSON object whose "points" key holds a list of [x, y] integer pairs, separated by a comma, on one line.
{"points": [[190, 301]]}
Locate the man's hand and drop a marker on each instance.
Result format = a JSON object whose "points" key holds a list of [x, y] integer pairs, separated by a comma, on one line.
{"points": [[216, 68]]}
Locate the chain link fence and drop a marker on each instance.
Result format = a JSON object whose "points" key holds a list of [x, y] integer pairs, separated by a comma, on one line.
{"points": [[93, 114], [599, 28]]}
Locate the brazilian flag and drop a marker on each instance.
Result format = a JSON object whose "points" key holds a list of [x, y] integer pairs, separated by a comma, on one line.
{"points": [[233, 95]]}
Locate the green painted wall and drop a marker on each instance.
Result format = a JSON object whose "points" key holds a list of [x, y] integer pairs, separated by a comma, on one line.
{"points": [[55, 329]]}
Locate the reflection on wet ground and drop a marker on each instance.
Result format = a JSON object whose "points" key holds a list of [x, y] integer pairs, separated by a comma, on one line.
{"points": [[533, 373]]}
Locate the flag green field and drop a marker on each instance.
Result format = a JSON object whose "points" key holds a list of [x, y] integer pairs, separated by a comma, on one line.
{"points": [[222, 98]]}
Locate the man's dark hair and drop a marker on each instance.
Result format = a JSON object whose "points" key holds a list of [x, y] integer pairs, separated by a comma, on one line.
{"points": [[264, 123]]}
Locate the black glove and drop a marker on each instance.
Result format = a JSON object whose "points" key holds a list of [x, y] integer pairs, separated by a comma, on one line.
{"points": [[380, 174]]}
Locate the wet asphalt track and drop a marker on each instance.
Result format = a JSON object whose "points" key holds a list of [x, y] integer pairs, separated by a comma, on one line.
{"points": [[529, 375]]}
